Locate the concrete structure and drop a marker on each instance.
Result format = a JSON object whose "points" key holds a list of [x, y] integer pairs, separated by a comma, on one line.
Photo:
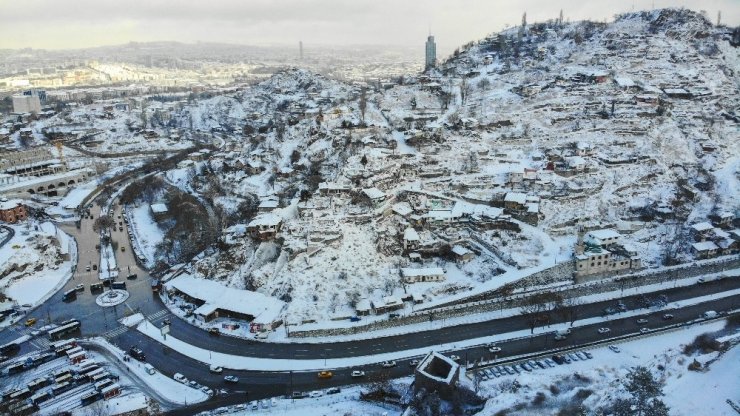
{"points": [[26, 104], [49, 185], [265, 226], [13, 211], [36, 161], [159, 211], [437, 373], [431, 53], [594, 260]]}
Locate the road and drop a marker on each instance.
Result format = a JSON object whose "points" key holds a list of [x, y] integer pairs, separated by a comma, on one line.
{"points": [[103, 321], [9, 235]]}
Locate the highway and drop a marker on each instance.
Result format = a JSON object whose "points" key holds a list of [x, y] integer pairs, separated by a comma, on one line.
{"points": [[103, 321]]}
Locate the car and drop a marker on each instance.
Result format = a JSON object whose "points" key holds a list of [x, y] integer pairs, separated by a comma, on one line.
{"points": [[667, 316], [273, 402], [549, 361], [588, 355], [573, 356], [455, 358], [298, 395], [558, 359], [642, 321], [644, 330], [603, 330], [211, 331], [701, 280], [333, 390], [121, 229], [581, 355], [560, 337], [87, 269], [614, 348], [510, 371], [216, 369], [622, 307], [566, 359], [231, 379], [30, 321], [254, 405], [413, 363], [95, 267], [181, 378], [325, 374], [132, 276], [137, 353], [207, 391], [80, 288], [494, 349], [358, 374], [526, 366], [167, 321], [540, 364], [315, 393], [388, 364], [194, 384]]}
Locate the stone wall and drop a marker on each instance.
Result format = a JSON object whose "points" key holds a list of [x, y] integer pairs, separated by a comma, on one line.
{"points": [[560, 270]]}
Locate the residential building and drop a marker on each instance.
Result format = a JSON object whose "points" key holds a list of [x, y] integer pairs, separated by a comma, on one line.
{"points": [[26, 104], [13, 211]]}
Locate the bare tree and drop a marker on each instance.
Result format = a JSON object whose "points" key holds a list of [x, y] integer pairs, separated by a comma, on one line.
{"points": [[363, 104]]}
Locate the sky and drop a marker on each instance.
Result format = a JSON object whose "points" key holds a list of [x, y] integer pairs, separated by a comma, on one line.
{"points": [[64, 24]]}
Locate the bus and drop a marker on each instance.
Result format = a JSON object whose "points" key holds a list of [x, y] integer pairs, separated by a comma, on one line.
{"points": [[111, 391], [67, 378], [99, 377], [38, 384], [90, 398], [64, 329], [9, 349], [70, 295], [118, 285], [58, 389], [20, 394], [100, 385], [54, 346], [40, 397]]}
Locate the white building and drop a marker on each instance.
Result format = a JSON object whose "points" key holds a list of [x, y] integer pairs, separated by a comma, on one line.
{"points": [[26, 104]]}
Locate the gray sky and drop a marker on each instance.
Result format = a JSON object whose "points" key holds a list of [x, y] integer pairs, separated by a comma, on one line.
{"points": [[56, 24]]}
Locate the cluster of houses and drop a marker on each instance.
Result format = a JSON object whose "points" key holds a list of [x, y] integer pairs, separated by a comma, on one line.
{"points": [[716, 238]]}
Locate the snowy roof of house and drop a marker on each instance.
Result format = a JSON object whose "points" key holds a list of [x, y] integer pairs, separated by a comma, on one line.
{"points": [[268, 203], [704, 246], [575, 160], [624, 81], [517, 197], [333, 186], [533, 207], [702, 226], [363, 305], [265, 309], [410, 234], [402, 208], [374, 193], [265, 219], [604, 234], [159, 208], [460, 250], [10, 204], [428, 271]]}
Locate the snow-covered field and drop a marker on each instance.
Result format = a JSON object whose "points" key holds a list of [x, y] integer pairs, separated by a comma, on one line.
{"points": [[146, 234], [33, 265]]}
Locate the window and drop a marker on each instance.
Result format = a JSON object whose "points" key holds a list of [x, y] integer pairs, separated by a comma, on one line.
{"points": [[592, 265], [599, 263]]}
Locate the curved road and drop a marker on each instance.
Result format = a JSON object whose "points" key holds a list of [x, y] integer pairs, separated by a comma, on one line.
{"points": [[103, 321]]}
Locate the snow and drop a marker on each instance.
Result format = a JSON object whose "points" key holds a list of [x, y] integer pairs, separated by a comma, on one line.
{"points": [[146, 234], [174, 391], [159, 208], [265, 309], [132, 321], [705, 246]]}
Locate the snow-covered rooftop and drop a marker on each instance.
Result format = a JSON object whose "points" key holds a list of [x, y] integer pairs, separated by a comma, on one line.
{"points": [[265, 309]]}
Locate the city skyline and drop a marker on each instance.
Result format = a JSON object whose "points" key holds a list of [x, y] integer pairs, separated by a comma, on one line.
{"points": [[87, 23]]}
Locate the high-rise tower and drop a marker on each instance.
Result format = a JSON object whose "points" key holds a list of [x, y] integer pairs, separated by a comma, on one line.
{"points": [[431, 53], [300, 49]]}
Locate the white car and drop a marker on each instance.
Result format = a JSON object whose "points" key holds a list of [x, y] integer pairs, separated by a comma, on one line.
{"points": [[216, 369], [315, 393], [388, 364], [494, 349], [181, 378], [603, 330], [358, 374], [413, 363], [614, 348], [231, 379], [642, 321], [644, 330], [455, 358]]}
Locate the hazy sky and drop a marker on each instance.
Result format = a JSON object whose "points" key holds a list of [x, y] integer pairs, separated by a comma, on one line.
{"points": [[55, 24]]}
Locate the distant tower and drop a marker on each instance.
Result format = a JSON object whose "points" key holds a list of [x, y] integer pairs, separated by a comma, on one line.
{"points": [[431, 55], [719, 17], [300, 48], [561, 17]]}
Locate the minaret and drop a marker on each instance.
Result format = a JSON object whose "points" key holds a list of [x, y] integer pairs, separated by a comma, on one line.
{"points": [[300, 49], [579, 244]]}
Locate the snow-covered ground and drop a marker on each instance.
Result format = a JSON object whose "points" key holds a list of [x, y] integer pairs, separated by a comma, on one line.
{"points": [[33, 265], [146, 234], [686, 392]]}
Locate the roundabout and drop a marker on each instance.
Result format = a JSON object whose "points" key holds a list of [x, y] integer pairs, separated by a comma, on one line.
{"points": [[112, 298]]}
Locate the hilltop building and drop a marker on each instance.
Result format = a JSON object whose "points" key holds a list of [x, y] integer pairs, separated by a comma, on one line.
{"points": [[431, 53]]}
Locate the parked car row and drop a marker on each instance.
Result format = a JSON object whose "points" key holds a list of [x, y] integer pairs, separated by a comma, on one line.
{"points": [[531, 365]]}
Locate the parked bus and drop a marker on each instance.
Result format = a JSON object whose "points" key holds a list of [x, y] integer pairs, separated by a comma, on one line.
{"points": [[65, 329], [71, 343], [58, 389], [90, 398], [100, 376], [40, 397], [96, 287], [61, 373], [38, 384], [111, 391], [23, 409], [118, 285], [67, 378], [9, 349], [100, 385], [20, 394]]}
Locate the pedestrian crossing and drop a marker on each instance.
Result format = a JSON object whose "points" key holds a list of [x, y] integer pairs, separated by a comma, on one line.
{"points": [[115, 332], [157, 315]]}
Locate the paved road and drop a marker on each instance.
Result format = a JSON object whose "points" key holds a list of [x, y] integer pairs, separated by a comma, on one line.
{"points": [[97, 321], [8, 236]]}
